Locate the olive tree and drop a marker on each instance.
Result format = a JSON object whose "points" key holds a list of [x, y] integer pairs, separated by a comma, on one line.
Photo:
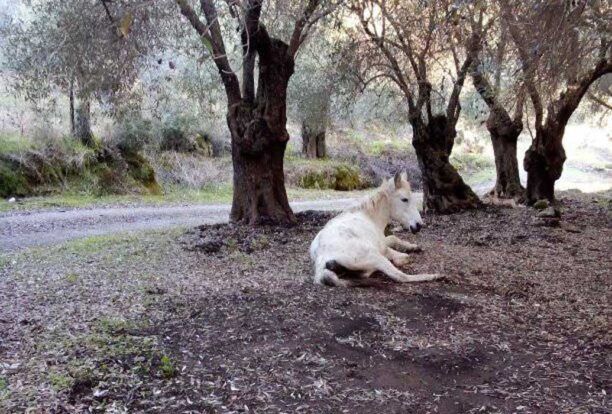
{"points": [[563, 48], [256, 114], [88, 49], [420, 46], [493, 65]]}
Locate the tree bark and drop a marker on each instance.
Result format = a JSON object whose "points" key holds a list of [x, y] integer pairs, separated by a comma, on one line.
{"points": [[504, 134], [544, 162], [83, 123], [259, 140], [504, 131], [71, 99], [444, 191], [313, 141]]}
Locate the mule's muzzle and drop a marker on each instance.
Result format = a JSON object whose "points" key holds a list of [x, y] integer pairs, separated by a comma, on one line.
{"points": [[415, 228]]}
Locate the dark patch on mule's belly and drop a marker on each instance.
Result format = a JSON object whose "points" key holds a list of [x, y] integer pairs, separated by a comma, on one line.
{"points": [[342, 271]]}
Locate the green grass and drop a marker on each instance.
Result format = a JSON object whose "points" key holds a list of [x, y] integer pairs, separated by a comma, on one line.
{"points": [[211, 195], [60, 381], [14, 143], [3, 386], [378, 147], [93, 244]]}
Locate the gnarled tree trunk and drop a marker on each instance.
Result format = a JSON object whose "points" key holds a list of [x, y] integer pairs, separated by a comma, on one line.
{"points": [[313, 141], [544, 162], [259, 139], [83, 123], [444, 191], [504, 134], [504, 131]]}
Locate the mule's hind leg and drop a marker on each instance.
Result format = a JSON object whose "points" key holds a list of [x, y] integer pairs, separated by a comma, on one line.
{"points": [[382, 264], [402, 245]]}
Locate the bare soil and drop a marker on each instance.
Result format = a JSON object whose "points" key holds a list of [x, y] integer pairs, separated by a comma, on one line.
{"points": [[226, 319]]}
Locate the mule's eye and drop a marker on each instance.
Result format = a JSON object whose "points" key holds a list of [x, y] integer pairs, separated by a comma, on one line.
{"points": [[405, 200]]}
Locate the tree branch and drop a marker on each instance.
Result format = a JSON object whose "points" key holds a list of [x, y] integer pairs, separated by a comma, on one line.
{"points": [[528, 66], [563, 108], [108, 13], [296, 38], [249, 46], [396, 69], [599, 101], [212, 34]]}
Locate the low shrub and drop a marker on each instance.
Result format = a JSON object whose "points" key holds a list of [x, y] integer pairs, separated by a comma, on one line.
{"points": [[65, 164], [467, 162], [325, 176], [376, 168], [133, 134], [12, 182], [184, 134], [193, 171]]}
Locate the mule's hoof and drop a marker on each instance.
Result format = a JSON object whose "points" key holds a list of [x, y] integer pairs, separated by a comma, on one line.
{"points": [[401, 262], [415, 248]]}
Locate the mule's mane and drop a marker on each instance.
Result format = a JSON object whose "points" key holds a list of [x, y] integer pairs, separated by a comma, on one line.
{"points": [[371, 203]]}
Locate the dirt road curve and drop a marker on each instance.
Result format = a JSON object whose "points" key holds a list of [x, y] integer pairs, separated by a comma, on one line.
{"points": [[25, 229]]}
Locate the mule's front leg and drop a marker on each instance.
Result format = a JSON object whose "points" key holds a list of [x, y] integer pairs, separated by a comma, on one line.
{"points": [[397, 258], [402, 245]]}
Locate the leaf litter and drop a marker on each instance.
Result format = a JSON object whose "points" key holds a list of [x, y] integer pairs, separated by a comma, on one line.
{"points": [[225, 318]]}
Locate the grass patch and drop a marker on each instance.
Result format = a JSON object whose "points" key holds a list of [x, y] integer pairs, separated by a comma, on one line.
{"points": [[14, 143], [167, 368], [94, 244], [4, 262], [221, 194], [471, 162], [72, 278], [4, 391], [324, 174], [60, 381], [115, 351], [377, 148]]}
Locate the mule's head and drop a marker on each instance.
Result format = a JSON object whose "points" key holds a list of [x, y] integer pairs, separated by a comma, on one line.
{"points": [[404, 204]]}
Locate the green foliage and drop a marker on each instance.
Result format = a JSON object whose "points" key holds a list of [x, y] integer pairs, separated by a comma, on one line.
{"points": [[3, 386], [184, 134], [12, 143], [72, 278], [347, 178], [469, 162], [60, 164], [141, 170], [60, 381], [133, 134], [12, 182], [329, 176], [167, 368], [377, 148], [315, 179]]}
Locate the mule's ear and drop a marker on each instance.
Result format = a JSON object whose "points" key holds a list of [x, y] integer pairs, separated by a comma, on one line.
{"points": [[398, 180]]}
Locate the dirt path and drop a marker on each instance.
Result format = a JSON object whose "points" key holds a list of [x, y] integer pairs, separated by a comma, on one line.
{"points": [[25, 229]]}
